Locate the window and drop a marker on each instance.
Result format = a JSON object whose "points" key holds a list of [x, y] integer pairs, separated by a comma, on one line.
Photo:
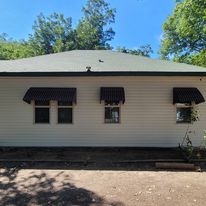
{"points": [[65, 112], [184, 114], [112, 112], [42, 109]]}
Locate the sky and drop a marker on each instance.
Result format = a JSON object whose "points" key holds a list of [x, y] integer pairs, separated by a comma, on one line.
{"points": [[138, 22]]}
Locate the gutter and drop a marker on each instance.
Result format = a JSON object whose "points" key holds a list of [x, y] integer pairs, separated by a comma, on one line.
{"points": [[97, 74]]}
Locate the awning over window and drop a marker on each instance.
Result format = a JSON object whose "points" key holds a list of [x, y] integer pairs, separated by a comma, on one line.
{"points": [[49, 93], [187, 95], [112, 94]]}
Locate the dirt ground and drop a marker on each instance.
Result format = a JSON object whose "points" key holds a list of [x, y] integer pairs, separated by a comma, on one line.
{"points": [[26, 187]]}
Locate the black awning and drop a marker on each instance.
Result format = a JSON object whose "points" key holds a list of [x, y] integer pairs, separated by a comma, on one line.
{"points": [[49, 93], [187, 95], [112, 94]]}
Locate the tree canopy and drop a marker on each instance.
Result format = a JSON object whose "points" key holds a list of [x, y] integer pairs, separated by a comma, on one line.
{"points": [[52, 34], [55, 33], [12, 49], [145, 50], [93, 30], [184, 38]]}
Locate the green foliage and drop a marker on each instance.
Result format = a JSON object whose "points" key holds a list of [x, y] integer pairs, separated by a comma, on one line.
{"points": [[144, 50], [87, 36], [185, 33], [94, 31], [52, 34], [195, 116], [11, 49]]}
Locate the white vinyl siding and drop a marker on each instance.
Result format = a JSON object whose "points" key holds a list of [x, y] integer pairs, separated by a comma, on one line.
{"points": [[148, 117]]}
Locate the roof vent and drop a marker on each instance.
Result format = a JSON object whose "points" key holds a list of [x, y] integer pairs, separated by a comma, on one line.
{"points": [[101, 61], [88, 68]]}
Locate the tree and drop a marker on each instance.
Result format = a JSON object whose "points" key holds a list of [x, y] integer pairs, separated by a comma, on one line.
{"points": [[184, 38], [52, 34], [12, 49], [144, 50], [87, 36], [93, 30]]}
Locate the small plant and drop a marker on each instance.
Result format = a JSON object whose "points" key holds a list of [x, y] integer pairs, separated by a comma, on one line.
{"points": [[195, 116], [189, 147], [202, 147], [186, 146]]}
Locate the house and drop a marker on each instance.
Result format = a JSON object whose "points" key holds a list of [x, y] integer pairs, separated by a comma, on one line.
{"points": [[99, 98]]}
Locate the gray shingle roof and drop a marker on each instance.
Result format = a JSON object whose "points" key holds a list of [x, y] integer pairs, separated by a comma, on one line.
{"points": [[98, 60]]}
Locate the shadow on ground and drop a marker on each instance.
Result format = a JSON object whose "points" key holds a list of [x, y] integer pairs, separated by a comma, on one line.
{"points": [[39, 189], [81, 166]]}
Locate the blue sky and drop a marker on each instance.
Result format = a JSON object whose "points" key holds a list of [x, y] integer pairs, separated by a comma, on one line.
{"points": [[138, 22]]}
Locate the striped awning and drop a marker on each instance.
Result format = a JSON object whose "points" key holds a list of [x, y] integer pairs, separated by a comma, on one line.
{"points": [[50, 93], [112, 94], [187, 95]]}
